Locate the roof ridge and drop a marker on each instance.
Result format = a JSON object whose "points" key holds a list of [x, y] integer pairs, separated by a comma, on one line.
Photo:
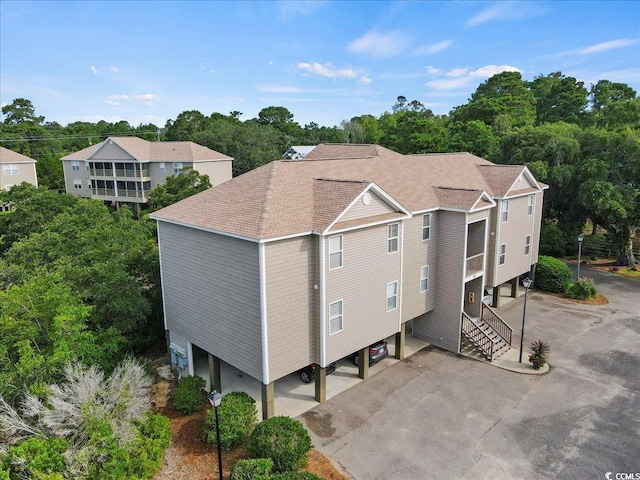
{"points": [[269, 189]]}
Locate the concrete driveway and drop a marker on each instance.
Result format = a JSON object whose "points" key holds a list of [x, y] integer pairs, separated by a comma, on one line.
{"points": [[440, 415]]}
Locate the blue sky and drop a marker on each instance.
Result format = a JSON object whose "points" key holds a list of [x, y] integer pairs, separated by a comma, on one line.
{"points": [[326, 61]]}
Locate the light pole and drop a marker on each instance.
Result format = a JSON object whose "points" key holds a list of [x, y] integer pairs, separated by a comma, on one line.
{"points": [[526, 282], [580, 239], [214, 399]]}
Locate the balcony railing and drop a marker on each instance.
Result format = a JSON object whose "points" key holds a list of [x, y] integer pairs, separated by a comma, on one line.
{"points": [[475, 264], [110, 192]]}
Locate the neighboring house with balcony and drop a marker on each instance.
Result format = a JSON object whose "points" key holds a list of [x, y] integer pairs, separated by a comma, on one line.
{"points": [[307, 261], [122, 170], [15, 168]]}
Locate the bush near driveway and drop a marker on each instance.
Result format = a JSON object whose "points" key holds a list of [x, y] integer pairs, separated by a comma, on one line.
{"points": [[237, 415], [253, 469], [552, 275], [283, 440], [188, 396], [583, 289]]}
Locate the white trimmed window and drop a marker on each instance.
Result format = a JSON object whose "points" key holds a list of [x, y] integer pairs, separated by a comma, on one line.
{"points": [[392, 296], [162, 167], [505, 210], [335, 317], [527, 244], [75, 165], [503, 254], [392, 238], [530, 205], [335, 252], [10, 169], [426, 226], [424, 278], [177, 168], [7, 188], [77, 183]]}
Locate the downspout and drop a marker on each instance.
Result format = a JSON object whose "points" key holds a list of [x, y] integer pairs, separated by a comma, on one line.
{"points": [[321, 258], [263, 313]]}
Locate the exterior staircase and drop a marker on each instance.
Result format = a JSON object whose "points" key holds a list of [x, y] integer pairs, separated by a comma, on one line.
{"points": [[489, 335]]}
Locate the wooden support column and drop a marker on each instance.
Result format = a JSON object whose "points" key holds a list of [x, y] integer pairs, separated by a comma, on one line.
{"points": [[514, 287], [268, 396], [363, 367], [215, 383], [400, 341], [495, 303], [321, 384]]}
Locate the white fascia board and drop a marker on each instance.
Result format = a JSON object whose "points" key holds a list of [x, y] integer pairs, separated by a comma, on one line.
{"points": [[366, 225], [428, 210], [486, 197], [379, 192], [204, 229], [323, 290], [107, 140], [164, 306], [263, 313], [527, 173]]}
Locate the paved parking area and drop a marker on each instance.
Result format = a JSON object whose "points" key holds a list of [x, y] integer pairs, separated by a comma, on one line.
{"points": [[440, 415]]}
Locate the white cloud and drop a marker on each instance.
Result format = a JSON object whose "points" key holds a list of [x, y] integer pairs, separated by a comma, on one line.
{"points": [[505, 11], [434, 48], [213, 71], [327, 70], [147, 99], [270, 62], [464, 77], [93, 69], [433, 70], [114, 69], [289, 9], [365, 80], [379, 45], [279, 89], [605, 46]]}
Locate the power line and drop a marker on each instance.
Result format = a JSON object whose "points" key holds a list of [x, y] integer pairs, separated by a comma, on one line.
{"points": [[71, 137]]}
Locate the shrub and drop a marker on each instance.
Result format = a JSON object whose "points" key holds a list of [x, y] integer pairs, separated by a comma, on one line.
{"points": [[188, 396], [552, 236], [283, 440], [254, 469], [296, 476], [583, 289], [552, 275], [539, 352], [36, 457], [237, 413]]}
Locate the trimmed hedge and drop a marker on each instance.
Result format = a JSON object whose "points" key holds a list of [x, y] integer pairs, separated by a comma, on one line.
{"points": [[552, 275], [238, 417], [283, 440], [188, 396], [253, 469], [296, 476]]}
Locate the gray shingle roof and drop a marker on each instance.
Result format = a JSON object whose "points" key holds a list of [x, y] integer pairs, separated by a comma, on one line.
{"points": [[288, 198], [9, 156]]}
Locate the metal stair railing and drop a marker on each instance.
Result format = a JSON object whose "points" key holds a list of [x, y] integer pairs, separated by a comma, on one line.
{"points": [[477, 336], [501, 327]]}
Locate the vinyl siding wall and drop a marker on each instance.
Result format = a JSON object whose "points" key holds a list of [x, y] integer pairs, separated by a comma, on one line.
{"points": [[441, 326], [537, 224], [361, 283], [218, 171], [513, 233], [26, 173], [417, 254], [293, 330], [360, 210], [212, 294], [70, 175]]}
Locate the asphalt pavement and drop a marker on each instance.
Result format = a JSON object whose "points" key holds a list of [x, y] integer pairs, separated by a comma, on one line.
{"points": [[445, 416]]}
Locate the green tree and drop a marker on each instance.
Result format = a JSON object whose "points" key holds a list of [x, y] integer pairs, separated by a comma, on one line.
{"points": [[505, 95], [474, 137], [177, 187], [21, 110], [559, 98]]}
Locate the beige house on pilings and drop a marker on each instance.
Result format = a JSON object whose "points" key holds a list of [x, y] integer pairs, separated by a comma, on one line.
{"points": [[307, 261]]}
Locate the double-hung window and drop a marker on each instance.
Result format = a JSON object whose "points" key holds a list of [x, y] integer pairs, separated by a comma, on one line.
{"points": [[530, 205], [503, 254], [426, 226], [424, 278], [75, 165], [527, 244], [177, 168], [162, 167], [392, 238], [392, 296], [10, 169], [505, 210], [335, 317], [335, 252], [77, 183]]}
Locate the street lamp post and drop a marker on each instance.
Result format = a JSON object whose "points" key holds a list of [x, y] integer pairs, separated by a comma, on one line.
{"points": [[526, 282], [214, 399], [580, 239]]}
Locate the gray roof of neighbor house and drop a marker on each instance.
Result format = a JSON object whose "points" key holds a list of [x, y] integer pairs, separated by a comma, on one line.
{"points": [[293, 197], [9, 156], [145, 151]]}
